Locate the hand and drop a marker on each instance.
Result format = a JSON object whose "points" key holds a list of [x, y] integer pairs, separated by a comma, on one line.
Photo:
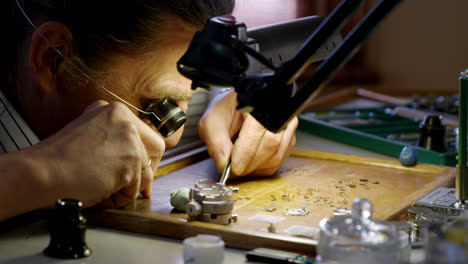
{"points": [[256, 151], [100, 156]]}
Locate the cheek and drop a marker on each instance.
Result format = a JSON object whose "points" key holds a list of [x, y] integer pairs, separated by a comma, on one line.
{"points": [[76, 94]]}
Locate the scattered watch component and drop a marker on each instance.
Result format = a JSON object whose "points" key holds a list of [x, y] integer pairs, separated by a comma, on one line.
{"points": [[67, 231], [342, 211], [300, 211], [414, 213], [211, 204], [272, 207]]}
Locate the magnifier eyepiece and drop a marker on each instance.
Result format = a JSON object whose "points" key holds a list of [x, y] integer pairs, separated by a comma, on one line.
{"points": [[166, 116]]}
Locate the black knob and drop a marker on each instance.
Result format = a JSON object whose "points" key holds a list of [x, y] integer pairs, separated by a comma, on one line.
{"points": [[432, 134], [67, 231]]}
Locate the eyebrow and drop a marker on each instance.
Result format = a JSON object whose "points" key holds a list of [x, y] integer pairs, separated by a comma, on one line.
{"points": [[168, 91]]}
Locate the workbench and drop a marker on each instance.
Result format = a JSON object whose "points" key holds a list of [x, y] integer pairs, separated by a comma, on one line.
{"points": [[23, 243]]}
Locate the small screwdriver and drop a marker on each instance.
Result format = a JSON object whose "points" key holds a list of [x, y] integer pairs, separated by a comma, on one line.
{"points": [[226, 172]]}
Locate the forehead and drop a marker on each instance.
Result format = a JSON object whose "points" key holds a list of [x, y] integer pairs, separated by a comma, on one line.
{"points": [[173, 28], [153, 74], [169, 41]]}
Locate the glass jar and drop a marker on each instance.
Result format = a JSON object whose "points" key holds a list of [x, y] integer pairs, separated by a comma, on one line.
{"points": [[358, 238]]}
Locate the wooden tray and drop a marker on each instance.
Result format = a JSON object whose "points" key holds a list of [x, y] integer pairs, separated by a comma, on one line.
{"points": [[317, 181]]}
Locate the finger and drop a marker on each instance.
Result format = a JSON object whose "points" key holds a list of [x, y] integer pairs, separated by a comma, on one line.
{"points": [[107, 203], [173, 139], [264, 172], [267, 150], [154, 151], [153, 142], [148, 190], [146, 181], [148, 178], [246, 145], [287, 145], [153, 145], [146, 172], [118, 199], [127, 193], [219, 145], [170, 141], [217, 126], [269, 170], [140, 183], [131, 185], [121, 198]]}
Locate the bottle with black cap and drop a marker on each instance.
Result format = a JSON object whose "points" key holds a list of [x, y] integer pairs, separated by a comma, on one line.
{"points": [[432, 134], [67, 231]]}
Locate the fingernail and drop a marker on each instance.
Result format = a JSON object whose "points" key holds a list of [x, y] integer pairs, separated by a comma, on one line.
{"points": [[148, 191], [238, 167], [220, 159]]}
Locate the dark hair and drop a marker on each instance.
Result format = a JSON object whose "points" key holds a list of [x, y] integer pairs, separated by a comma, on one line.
{"points": [[102, 27]]}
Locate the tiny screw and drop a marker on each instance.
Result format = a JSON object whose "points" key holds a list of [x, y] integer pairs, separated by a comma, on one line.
{"points": [[234, 218]]}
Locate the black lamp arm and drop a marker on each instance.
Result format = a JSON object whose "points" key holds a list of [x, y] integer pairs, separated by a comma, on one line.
{"points": [[217, 57], [276, 110]]}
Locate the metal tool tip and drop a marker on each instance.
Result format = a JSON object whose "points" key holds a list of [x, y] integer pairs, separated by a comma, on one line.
{"points": [[226, 172]]}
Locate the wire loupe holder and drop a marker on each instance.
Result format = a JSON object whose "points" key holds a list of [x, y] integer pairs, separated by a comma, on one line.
{"points": [[217, 56]]}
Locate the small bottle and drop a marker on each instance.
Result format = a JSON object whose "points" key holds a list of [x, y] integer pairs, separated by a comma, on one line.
{"points": [[67, 231]]}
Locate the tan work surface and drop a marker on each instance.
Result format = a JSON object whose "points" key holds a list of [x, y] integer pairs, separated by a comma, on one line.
{"points": [[316, 181]]}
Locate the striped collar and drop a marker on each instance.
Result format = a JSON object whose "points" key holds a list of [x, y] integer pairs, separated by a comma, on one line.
{"points": [[15, 134]]}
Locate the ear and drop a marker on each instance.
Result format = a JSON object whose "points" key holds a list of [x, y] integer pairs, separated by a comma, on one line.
{"points": [[44, 60]]}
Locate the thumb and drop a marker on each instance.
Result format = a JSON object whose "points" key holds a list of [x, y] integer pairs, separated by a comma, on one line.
{"points": [[217, 139], [217, 126]]}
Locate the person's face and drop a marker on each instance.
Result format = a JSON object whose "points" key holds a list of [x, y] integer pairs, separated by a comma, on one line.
{"points": [[154, 75]]}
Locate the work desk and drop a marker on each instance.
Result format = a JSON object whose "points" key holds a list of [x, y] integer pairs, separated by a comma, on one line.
{"points": [[24, 243]]}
